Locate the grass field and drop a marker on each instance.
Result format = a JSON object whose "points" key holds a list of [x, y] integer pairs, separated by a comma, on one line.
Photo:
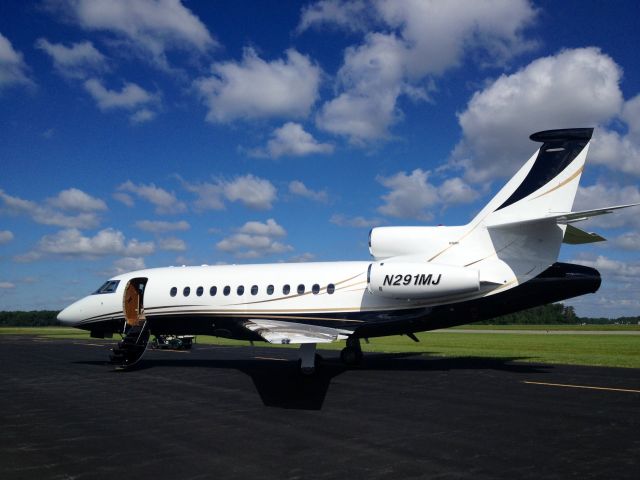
{"points": [[592, 328], [596, 350]]}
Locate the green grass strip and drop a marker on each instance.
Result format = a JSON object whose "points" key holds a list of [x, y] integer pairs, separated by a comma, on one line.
{"points": [[595, 350]]}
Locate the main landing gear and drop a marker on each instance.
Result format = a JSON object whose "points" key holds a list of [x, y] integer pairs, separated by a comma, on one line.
{"points": [[308, 358], [351, 355]]}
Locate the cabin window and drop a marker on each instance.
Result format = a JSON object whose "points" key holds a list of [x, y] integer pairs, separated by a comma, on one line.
{"points": [[227, 290], [173, 292], [186, 291], [199, 291], [286, 289], [331, 288], [213, 291], [240, 290], [315, 289], [254, 290], [300, 289], [270, 290]]}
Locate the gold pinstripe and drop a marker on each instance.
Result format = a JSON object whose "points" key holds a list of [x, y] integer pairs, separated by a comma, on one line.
{"points": [[561, 184]]}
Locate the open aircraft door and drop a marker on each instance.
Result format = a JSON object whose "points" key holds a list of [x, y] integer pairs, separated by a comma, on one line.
{"points": [[133, 301]]}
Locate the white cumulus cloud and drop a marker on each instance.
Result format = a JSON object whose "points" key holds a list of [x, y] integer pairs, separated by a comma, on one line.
{"points": [[76, 61], [352, 16], [417, 42], [48, 213], [355, 222], [253, 192], [254, 88], [148, 28], [413, 196], [71, 242], [164, 201], [172, 244], [13, 69], [255, 239], [6, 236], [142, 116], [130, 97], [158, 226], [618, 152], [627, 241], [127, 264], [292, 140], [270, 228], [605, 195], [575, 88], [75, 199], [296, 187]]}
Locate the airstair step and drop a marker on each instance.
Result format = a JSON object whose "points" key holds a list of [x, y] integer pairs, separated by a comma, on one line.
{"points": [[131, 348]]}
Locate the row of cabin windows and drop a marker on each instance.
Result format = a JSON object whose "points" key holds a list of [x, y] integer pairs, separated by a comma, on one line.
{"points": [[286, 289]]}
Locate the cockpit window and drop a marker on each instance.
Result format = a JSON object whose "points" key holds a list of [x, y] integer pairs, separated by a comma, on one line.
{"points": [[109, 286]]}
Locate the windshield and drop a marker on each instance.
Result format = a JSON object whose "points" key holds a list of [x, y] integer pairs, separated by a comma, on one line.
{"points": [[109, 286]]}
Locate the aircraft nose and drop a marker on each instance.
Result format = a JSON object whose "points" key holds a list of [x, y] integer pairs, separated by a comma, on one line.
{"points": [[71, 315]]}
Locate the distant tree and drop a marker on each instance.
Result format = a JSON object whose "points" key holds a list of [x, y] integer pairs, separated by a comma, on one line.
{"points": [[34, 318]]}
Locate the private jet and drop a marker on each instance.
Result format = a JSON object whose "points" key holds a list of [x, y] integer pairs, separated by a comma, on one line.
{"points": [[419, 278]]}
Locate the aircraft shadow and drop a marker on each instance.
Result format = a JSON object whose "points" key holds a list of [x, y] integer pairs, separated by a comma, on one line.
{"points": [[280, 384]]}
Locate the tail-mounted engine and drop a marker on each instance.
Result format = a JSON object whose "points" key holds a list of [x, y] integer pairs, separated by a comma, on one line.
{"points": [[413, 280]]}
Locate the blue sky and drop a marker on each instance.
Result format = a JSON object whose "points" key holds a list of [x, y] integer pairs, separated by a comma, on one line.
{"points": [[153, 133]]}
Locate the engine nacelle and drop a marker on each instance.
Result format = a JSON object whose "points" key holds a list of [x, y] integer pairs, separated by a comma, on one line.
{"points": [[385, 242], [413, 280]]}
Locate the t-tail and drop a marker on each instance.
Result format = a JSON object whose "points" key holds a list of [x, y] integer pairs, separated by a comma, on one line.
{"points": [[518, 234]]}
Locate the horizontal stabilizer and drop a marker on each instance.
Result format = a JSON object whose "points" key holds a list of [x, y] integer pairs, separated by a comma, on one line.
{"points": [[562, 218], [575, 236], [276, 331], [585, 214]]}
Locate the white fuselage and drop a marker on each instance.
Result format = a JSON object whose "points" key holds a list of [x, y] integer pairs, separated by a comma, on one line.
{"points": [[295, 291]]}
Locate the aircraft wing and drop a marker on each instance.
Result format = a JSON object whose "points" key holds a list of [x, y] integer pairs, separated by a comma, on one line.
{"points": [[276, 331]]}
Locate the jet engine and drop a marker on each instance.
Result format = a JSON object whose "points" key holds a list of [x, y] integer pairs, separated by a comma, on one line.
{"points": [[385, 242], [414, 280]]}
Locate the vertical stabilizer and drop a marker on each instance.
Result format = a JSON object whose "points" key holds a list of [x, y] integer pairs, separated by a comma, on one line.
{"points": [[520, 220], [547, 183]]}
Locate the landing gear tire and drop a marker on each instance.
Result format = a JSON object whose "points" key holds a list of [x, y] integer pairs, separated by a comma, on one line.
{"points": [[351, 356]]}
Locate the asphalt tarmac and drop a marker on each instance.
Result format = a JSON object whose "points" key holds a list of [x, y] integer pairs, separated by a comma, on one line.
{"points": [[244, 412]]}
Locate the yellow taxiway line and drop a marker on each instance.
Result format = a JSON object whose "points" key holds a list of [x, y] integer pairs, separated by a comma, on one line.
{"points": [[587, 387]]}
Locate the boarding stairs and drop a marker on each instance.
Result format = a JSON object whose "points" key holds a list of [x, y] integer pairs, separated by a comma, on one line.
{"points": [[131, 348]]}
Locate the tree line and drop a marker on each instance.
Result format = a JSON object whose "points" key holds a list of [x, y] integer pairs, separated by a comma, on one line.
{"points": [[551, 314]]}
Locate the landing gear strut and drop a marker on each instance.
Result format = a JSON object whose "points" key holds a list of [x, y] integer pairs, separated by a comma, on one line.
{"points": [[351, 354], [308, 358]]}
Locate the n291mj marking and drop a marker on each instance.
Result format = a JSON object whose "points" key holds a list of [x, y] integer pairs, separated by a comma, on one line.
{"points": [[418, 279]]}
